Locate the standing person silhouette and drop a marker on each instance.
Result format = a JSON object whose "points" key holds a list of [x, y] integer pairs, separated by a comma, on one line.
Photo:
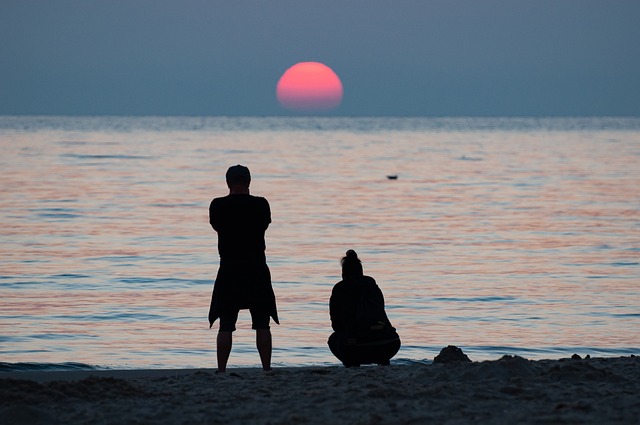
{"points": [[362, 331], [244, 279]]}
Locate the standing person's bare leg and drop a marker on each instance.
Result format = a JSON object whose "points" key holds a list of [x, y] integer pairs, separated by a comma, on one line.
{"points": [[224, 342], [263, 343]]}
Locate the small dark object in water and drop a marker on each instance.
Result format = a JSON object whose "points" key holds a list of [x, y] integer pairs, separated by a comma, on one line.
{"points": [[451, 354], [393, 177]]}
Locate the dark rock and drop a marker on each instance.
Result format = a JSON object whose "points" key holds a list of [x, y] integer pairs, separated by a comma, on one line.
{"points": [[576, 357], [451, 354]]}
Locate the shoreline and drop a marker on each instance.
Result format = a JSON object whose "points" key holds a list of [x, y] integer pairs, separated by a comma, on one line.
{"points": [[508, 390]]}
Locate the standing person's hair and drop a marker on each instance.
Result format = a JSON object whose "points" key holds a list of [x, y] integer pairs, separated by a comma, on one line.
{"points": [[238, 174], [351, 265]]}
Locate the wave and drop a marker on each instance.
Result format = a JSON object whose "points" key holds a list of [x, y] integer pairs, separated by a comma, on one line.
{"points": [[357, 124], [44, 367]]}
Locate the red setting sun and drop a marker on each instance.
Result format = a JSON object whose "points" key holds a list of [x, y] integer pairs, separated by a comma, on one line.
{"points": [[309, 86]]}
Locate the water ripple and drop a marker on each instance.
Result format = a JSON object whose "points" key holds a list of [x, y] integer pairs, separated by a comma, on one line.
{"points": [[501, 236]]}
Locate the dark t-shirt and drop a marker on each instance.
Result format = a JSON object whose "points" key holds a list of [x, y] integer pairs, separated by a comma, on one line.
{"points": [[241, 221], [243, 279], [345, 299]]}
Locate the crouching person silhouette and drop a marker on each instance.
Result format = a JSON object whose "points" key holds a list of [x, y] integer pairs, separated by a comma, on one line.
{"points": [[244, 279], [362, 332]]}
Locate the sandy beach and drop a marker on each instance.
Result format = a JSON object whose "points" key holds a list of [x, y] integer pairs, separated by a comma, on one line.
{"points": [[507, 390]]}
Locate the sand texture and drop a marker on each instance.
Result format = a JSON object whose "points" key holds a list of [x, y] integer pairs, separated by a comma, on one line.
{"points": [[511, 390]]}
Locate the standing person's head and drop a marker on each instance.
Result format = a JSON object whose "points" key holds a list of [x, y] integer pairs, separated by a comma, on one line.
{"points": [[238, 178], [351, 265]]}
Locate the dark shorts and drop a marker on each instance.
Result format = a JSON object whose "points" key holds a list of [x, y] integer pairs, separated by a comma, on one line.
{"points": [[259, 320]]}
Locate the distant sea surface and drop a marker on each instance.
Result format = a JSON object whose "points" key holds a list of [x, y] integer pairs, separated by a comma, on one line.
{"points": [[500, 236]]}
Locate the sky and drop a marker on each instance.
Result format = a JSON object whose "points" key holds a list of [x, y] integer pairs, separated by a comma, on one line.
{"points": [[395, 57]]}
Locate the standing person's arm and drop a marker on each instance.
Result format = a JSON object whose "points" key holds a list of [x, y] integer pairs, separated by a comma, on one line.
{"points": [[266, 214], [213, 217]]}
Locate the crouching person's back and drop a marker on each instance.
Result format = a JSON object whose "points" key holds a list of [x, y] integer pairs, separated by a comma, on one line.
{"points": [[362, 333]]}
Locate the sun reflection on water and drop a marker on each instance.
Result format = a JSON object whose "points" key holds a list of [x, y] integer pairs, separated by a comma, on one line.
{"points": [[519, 239]]}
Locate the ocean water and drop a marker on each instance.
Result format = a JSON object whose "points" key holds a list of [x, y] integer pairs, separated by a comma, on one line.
{"points": [[500, 236]]}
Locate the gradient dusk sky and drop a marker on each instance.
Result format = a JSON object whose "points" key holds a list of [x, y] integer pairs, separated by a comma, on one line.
{"points": [[395, 58]]}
